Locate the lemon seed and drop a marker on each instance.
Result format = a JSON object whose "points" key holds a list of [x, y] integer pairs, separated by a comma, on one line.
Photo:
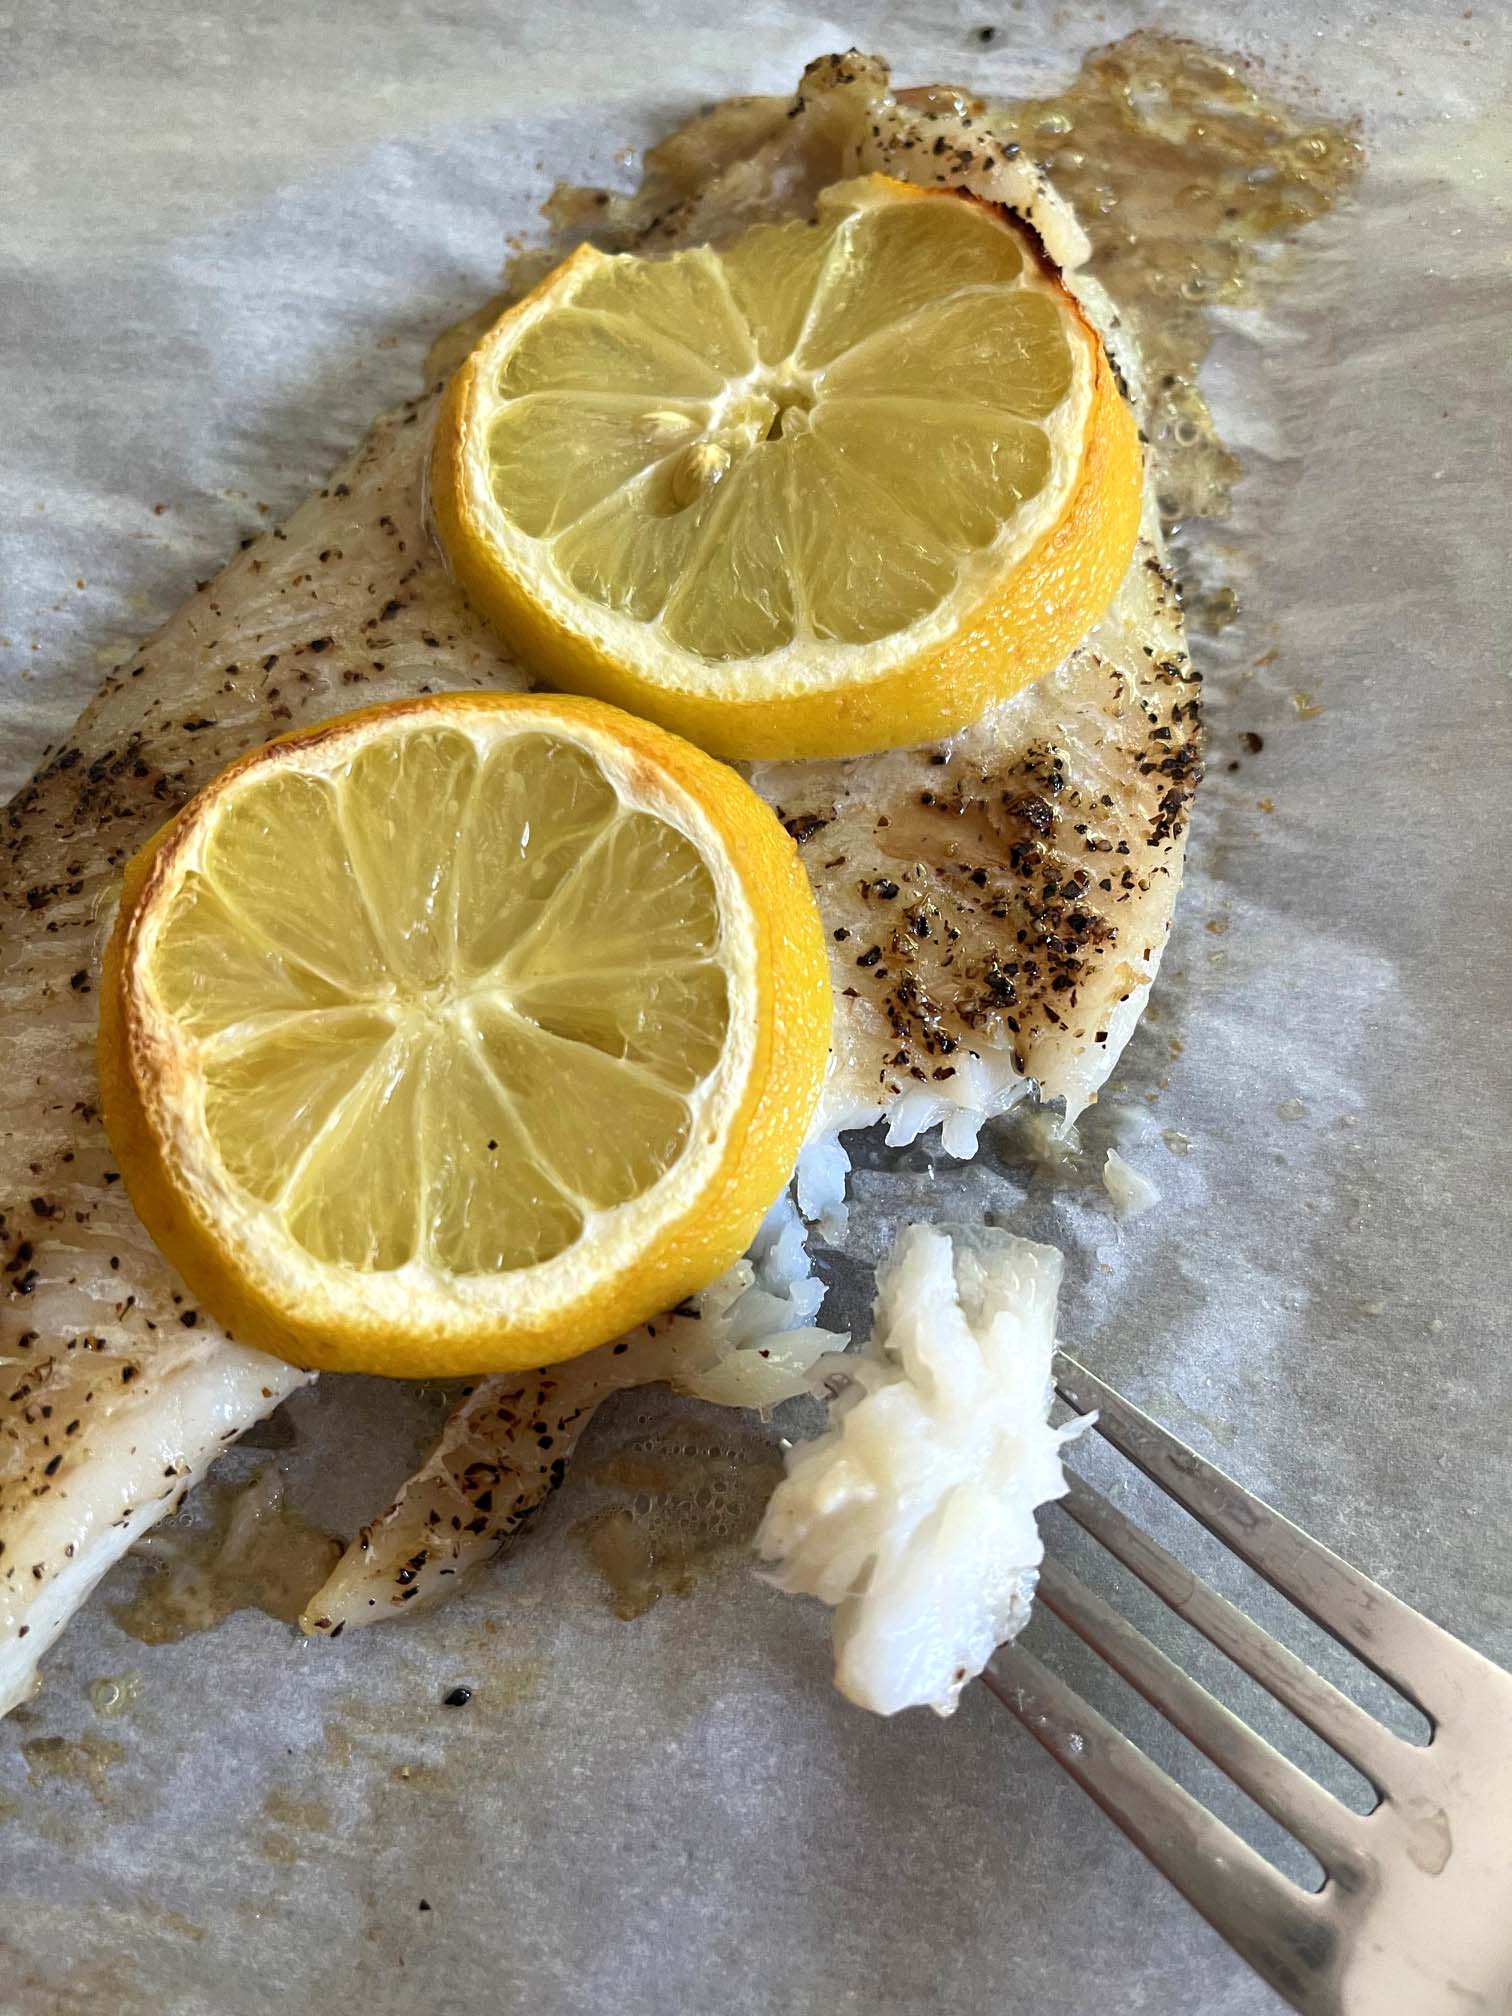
{"points": [[697, 470]]}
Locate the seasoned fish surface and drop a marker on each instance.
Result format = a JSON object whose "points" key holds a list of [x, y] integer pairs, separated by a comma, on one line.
{"points": [[997, 907]]}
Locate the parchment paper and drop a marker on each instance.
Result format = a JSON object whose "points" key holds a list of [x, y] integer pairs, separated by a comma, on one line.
{"points": [[226, 236]]}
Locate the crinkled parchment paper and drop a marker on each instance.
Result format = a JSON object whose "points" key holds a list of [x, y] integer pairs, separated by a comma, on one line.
{"points": [[226, 236]]}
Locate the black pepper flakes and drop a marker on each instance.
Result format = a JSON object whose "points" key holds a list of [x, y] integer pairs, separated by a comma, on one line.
{"points": [[804, 825]]}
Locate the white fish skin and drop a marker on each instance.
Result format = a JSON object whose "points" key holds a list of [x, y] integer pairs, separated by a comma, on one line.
{"points": [[348, 604], [998, 906]]}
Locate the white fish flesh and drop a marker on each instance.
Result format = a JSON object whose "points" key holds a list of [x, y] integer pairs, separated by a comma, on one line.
{"points": [[1033, 890], [914, 1514]]}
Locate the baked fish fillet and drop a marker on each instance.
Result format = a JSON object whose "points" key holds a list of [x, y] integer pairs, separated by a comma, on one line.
{"points": [[997, 905]]}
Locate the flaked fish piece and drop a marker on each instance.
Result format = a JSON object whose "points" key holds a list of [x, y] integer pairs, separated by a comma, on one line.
{"points": [[748, 1341], [350, 603], [913, 1515]]}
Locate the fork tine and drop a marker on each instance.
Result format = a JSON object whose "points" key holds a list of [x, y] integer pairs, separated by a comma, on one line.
{"points": [[1300, 1805], [1392, 1640], [1343, 1724], [1279, 1929]]}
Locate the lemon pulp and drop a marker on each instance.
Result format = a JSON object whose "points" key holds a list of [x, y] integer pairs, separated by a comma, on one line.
{"points": [[449, 1003], [805, 437]]}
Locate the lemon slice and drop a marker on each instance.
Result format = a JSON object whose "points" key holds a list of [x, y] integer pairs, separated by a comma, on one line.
{"points": [[461, 1034], [835, 487]]}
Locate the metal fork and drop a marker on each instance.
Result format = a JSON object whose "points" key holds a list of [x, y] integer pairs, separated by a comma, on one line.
{"points": [[1415, 1914]]}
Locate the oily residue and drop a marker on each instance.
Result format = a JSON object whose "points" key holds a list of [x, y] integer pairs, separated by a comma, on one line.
{"points": [[86, 1761], [1188, 177], [689, 1495], [251, 1553], [287, 1809], [436, 1744], [116, 1694]]}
